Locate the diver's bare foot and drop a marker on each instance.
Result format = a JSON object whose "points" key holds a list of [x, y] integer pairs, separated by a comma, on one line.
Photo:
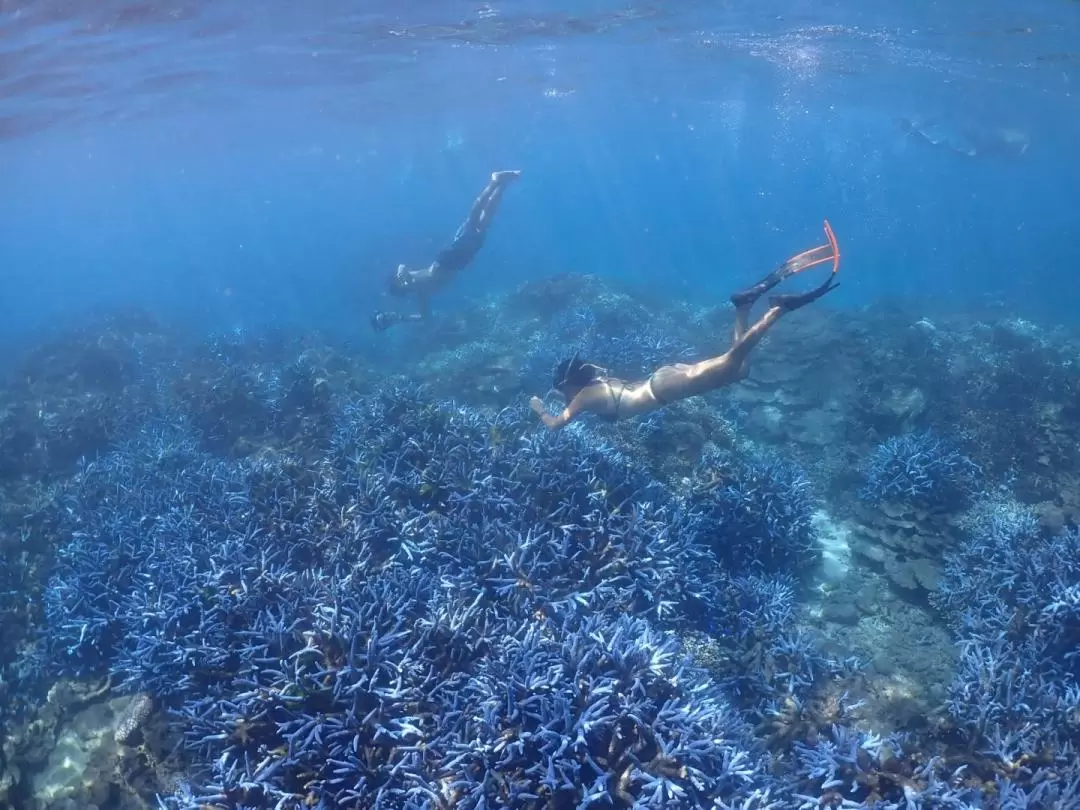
{"points": [[504, 176]]}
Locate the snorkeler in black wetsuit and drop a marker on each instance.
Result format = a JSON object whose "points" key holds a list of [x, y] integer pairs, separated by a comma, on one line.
{"points": [[449, 262]]}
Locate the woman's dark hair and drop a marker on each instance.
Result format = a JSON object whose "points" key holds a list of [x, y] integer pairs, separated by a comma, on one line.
{"points": [[574, 374]]}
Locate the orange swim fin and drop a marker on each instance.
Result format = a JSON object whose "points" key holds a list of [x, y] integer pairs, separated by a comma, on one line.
{"points": [[834, 245], [815, 256]]}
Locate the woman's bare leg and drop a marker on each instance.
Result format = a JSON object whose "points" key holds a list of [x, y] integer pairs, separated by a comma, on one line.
{"points": [[680, 381], [744, 300], [732, 366], [742, 324], [739, 353], [778, 305]]}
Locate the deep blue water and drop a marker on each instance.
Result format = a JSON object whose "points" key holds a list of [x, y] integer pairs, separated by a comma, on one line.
{"points": [[233, 164], [217, 527]]}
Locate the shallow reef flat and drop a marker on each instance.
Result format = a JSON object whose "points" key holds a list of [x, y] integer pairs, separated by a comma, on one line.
{"points": [[277, 570]]}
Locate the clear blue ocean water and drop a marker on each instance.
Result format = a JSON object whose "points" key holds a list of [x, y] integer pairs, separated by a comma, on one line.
{"points": [[230, 165], [257, 554]]}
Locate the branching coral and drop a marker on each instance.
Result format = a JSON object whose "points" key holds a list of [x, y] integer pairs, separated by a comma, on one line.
{"points": [[851, 768], [766, 661], [400, 602], [598, 715], [920, 469], [1011, 592], [432, 609], [241, 392], [755, 513]]}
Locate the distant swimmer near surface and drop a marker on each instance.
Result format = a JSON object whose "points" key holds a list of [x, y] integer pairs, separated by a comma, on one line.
{"points": [[992, 141], [448, 263], [587, 387]]}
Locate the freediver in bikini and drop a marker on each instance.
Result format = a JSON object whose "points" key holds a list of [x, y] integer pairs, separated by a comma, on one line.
{"points": [[468, 240], [588, 388]]}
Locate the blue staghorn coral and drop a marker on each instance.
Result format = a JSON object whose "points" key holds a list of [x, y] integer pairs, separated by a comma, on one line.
{"points": [[389, 600], [755, 512], [432, 608], [594, 714], [1012, 592], [920, 469], [856, 769], [447, 607]]}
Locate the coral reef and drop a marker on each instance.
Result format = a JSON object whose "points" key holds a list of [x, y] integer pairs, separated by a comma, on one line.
{"points": [[920, 469], [308, 583], [71, 754], [386, 580], [1012, 592], [755, 512], [906, 544], [74, 395]]}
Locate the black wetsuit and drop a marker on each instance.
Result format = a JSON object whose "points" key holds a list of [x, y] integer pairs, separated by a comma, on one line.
{"points": [[451, 260]]}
